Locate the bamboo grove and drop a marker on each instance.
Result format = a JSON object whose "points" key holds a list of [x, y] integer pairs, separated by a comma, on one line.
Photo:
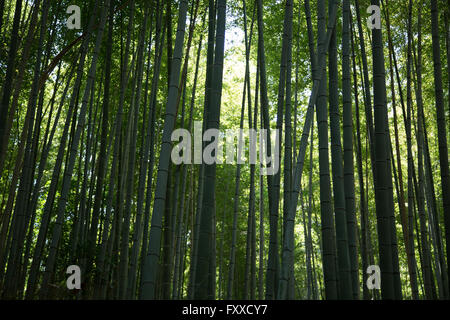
{"points": [[361, 116]]}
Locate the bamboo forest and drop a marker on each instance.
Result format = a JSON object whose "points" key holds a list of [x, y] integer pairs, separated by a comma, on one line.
{"points": [[224, 150]]}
